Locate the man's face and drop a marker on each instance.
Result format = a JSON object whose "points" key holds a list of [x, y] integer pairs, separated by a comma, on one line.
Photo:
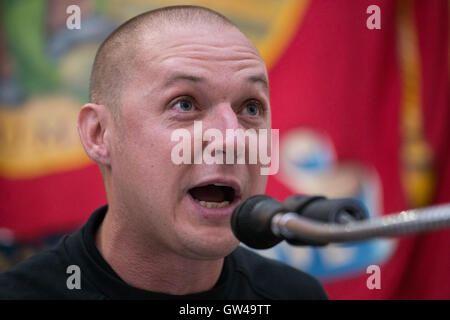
{"points": [[185, 76]]}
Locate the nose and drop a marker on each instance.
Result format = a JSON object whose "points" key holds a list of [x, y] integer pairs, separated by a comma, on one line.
{"points": [[224, 119]]}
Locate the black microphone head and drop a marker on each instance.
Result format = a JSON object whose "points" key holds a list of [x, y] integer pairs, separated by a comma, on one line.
{"points": [[251, 221]]}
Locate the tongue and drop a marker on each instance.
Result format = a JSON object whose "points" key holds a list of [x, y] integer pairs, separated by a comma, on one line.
{"points": [[209, 193]]}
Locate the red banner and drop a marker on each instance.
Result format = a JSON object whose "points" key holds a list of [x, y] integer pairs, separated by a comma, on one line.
{"points": [[359, 92]]}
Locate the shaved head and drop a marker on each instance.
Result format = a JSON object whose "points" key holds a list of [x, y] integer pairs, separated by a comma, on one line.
{"points": [[118, 54]]}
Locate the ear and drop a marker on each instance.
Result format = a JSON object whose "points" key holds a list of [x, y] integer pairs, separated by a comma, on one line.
{"points": [[94, 128]]}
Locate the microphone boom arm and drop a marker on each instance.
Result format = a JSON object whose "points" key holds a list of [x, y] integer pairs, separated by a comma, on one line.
{"points": [[292, 225]]}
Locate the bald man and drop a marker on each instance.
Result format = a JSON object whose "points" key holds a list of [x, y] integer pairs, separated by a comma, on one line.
{"points": [[165, 232]]}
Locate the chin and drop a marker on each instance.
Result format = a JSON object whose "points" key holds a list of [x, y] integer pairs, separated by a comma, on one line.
{"points": [[211, 246]]}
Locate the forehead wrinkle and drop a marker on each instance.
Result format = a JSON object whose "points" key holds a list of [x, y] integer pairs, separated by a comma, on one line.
{"points": [[214, 51], [196, 72], [178, 76], [214, 46], [199, 61], [192, 57]]}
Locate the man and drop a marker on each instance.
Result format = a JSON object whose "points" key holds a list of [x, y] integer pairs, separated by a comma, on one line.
{"points": [[166, 230]]}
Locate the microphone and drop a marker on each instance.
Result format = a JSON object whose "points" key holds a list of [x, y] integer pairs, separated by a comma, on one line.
{"points": [[261, 222], [251, 221]]}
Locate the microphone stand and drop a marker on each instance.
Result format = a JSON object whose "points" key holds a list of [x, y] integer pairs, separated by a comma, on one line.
{"points": [[291, 225]]}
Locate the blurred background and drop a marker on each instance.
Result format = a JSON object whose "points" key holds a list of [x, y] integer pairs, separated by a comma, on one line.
{"points": [[362, 113]]}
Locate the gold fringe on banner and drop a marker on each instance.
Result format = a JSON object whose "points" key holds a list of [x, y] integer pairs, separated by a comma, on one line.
{"points": [[417, 174]]}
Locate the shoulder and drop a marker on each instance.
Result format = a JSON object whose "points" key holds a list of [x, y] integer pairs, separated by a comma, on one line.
{"points": [[273, 279], [43, 276]]}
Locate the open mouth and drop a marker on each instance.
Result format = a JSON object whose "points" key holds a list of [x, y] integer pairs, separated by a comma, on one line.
{"points": [[213, 195]]}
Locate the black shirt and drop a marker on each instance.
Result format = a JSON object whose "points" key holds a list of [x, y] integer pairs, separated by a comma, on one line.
{"points": [[245, 275]]}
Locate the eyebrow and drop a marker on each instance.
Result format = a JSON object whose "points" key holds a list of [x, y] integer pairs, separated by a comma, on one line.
{"points": [[259, 78]]}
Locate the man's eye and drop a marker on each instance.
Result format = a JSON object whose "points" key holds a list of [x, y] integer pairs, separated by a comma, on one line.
{"points": [[184, 105], [253, 108]]}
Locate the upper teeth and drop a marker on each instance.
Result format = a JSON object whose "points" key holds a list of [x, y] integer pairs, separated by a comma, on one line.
{"points": [[208, 204]]}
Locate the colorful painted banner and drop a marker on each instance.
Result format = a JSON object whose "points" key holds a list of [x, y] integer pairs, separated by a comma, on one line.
{"points": [[359, 92]]}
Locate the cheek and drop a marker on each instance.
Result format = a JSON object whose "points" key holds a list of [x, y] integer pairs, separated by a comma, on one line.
{"points": [[144, 158], [261, 183], [152, 154], [258, 181]]}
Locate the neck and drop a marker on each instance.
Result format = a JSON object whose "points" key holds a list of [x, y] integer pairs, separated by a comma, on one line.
{"points": [[145, 266]]}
